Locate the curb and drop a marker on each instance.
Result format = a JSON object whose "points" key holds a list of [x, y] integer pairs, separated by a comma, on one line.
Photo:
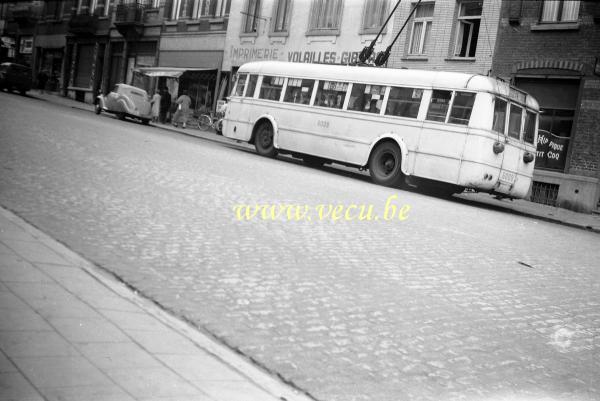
{"points": [[269, 381]]}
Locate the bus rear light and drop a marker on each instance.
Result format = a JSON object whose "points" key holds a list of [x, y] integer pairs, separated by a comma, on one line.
{"points": [[528, 157], [488, 177], [498, 147]]}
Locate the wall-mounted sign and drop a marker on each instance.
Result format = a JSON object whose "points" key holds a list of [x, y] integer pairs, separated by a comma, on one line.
{"points": [[551, 151]]}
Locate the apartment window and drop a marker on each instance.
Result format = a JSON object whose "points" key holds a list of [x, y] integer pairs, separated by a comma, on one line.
{"points": [[469, 19], [438, 108], [212, 8], [374, 16], [421, 28], [404, 102], [299, 90], [560, 11], [53, 9], [281, 18], [331, 94], [367, 98], [182, 9], [252, 15], [325, 16]]}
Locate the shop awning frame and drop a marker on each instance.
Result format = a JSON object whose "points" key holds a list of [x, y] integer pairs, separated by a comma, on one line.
{"points": [[171, 72]]}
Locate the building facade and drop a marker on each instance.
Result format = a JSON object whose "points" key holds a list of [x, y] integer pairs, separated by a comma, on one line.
{"points": [[449, 35], [551, 49]]}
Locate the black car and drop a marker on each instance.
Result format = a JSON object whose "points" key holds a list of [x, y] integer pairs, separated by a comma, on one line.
{"points": [[15, 76]]}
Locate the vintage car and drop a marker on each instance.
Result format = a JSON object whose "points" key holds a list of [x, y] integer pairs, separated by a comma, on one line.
{"points": [[126, 101], [15, 76]]}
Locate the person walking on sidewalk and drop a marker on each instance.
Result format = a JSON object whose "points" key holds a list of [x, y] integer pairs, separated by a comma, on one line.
{"points": [[155, 102], [183, 108], [165, 105], [42, 79]]}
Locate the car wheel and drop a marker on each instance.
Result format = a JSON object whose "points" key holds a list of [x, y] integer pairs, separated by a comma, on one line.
{"points": [[385, 165], [263, 141], [98, 108]]}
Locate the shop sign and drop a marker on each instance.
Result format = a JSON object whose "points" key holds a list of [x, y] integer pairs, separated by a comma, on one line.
{"points": [[241, 55], [551, 151]]}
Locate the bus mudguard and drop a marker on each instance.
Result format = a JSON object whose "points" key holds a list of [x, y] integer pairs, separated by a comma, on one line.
{"points": [[399, 141], [273, 123]]}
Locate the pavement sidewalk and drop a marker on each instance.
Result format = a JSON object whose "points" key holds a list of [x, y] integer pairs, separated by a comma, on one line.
{"points": [[590, 222], [70, 331]]}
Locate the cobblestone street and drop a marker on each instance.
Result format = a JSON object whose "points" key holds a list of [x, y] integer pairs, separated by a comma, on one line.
{"points": [[458, 301]]}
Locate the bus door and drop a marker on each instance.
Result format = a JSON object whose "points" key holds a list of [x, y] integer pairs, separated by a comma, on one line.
{"points": [[513, 149]]}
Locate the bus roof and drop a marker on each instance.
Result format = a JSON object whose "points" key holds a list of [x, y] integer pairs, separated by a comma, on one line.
{"points": [[392, 76]]}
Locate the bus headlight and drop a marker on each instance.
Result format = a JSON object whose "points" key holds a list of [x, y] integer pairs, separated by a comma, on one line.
{"points": [[528, 157], [498, 147]]}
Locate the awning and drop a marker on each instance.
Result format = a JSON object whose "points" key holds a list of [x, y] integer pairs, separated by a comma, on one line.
{"points": [[172, 72]]}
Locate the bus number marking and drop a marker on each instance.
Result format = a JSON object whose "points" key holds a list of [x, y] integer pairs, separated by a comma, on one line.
{"points": [[323, 123]]}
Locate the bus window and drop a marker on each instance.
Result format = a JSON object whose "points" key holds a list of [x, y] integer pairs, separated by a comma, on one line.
{"points": [[499, 115], [366, 98], [271, 88], [438, 108], [529, 132], [461, 108], [404, 102], [331, 94], [514, 121], [239, 86], [299, 90], [251, 85]]}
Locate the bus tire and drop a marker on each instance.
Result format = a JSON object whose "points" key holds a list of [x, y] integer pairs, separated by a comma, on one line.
{"points": [[385, 165], [263, 140]]}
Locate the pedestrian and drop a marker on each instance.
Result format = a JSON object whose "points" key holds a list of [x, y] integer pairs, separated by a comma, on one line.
{"points": [[165, 105], [155, 102], [183, 108], [42, 79]]}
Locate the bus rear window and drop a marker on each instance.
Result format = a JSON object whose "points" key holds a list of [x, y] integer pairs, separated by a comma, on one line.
{"points": [[299, 90], [514, 121], [404, 102], [271, 88], [438, 108], [529, 132], [367, 98], [499, 115], [251, 85], [461, 108], [239, 86], [331, 94]]}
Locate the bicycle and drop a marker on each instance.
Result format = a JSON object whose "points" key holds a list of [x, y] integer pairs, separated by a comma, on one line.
{"points": [[206, 121]]}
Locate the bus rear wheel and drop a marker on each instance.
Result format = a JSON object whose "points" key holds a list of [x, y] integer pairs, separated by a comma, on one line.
{"points": [[385, 165], [263, 141]]}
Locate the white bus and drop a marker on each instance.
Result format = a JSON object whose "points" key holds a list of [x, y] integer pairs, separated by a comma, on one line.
{"points": [[453, 129]]}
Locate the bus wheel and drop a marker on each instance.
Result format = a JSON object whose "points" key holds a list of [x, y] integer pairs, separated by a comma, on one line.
{"points": [[263, 141], [384, 165]]}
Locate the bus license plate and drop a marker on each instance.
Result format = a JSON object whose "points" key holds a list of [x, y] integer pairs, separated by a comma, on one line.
{"points": [[508, 177]]}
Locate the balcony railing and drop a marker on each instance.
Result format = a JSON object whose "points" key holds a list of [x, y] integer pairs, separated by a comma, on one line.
{"points": [[25, 14], [130, 13], [84, 22]]}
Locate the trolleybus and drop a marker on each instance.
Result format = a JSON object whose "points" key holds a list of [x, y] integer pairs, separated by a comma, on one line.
{"points": [[453, 129]]}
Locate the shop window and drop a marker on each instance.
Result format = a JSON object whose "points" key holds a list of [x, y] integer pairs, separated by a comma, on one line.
{"points": [[325, 17], [555, 11], [299, 90], [404, 102], [499, 122], [366, 98], [281, 17], [438, 108], [251, 16], [461, 108], [271, 87], [375, 13], [421, 29], [331, 94], [469, 19]]}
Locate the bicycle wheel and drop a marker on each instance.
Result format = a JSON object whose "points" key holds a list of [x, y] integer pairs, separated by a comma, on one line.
{"points": [[204, 121]]}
